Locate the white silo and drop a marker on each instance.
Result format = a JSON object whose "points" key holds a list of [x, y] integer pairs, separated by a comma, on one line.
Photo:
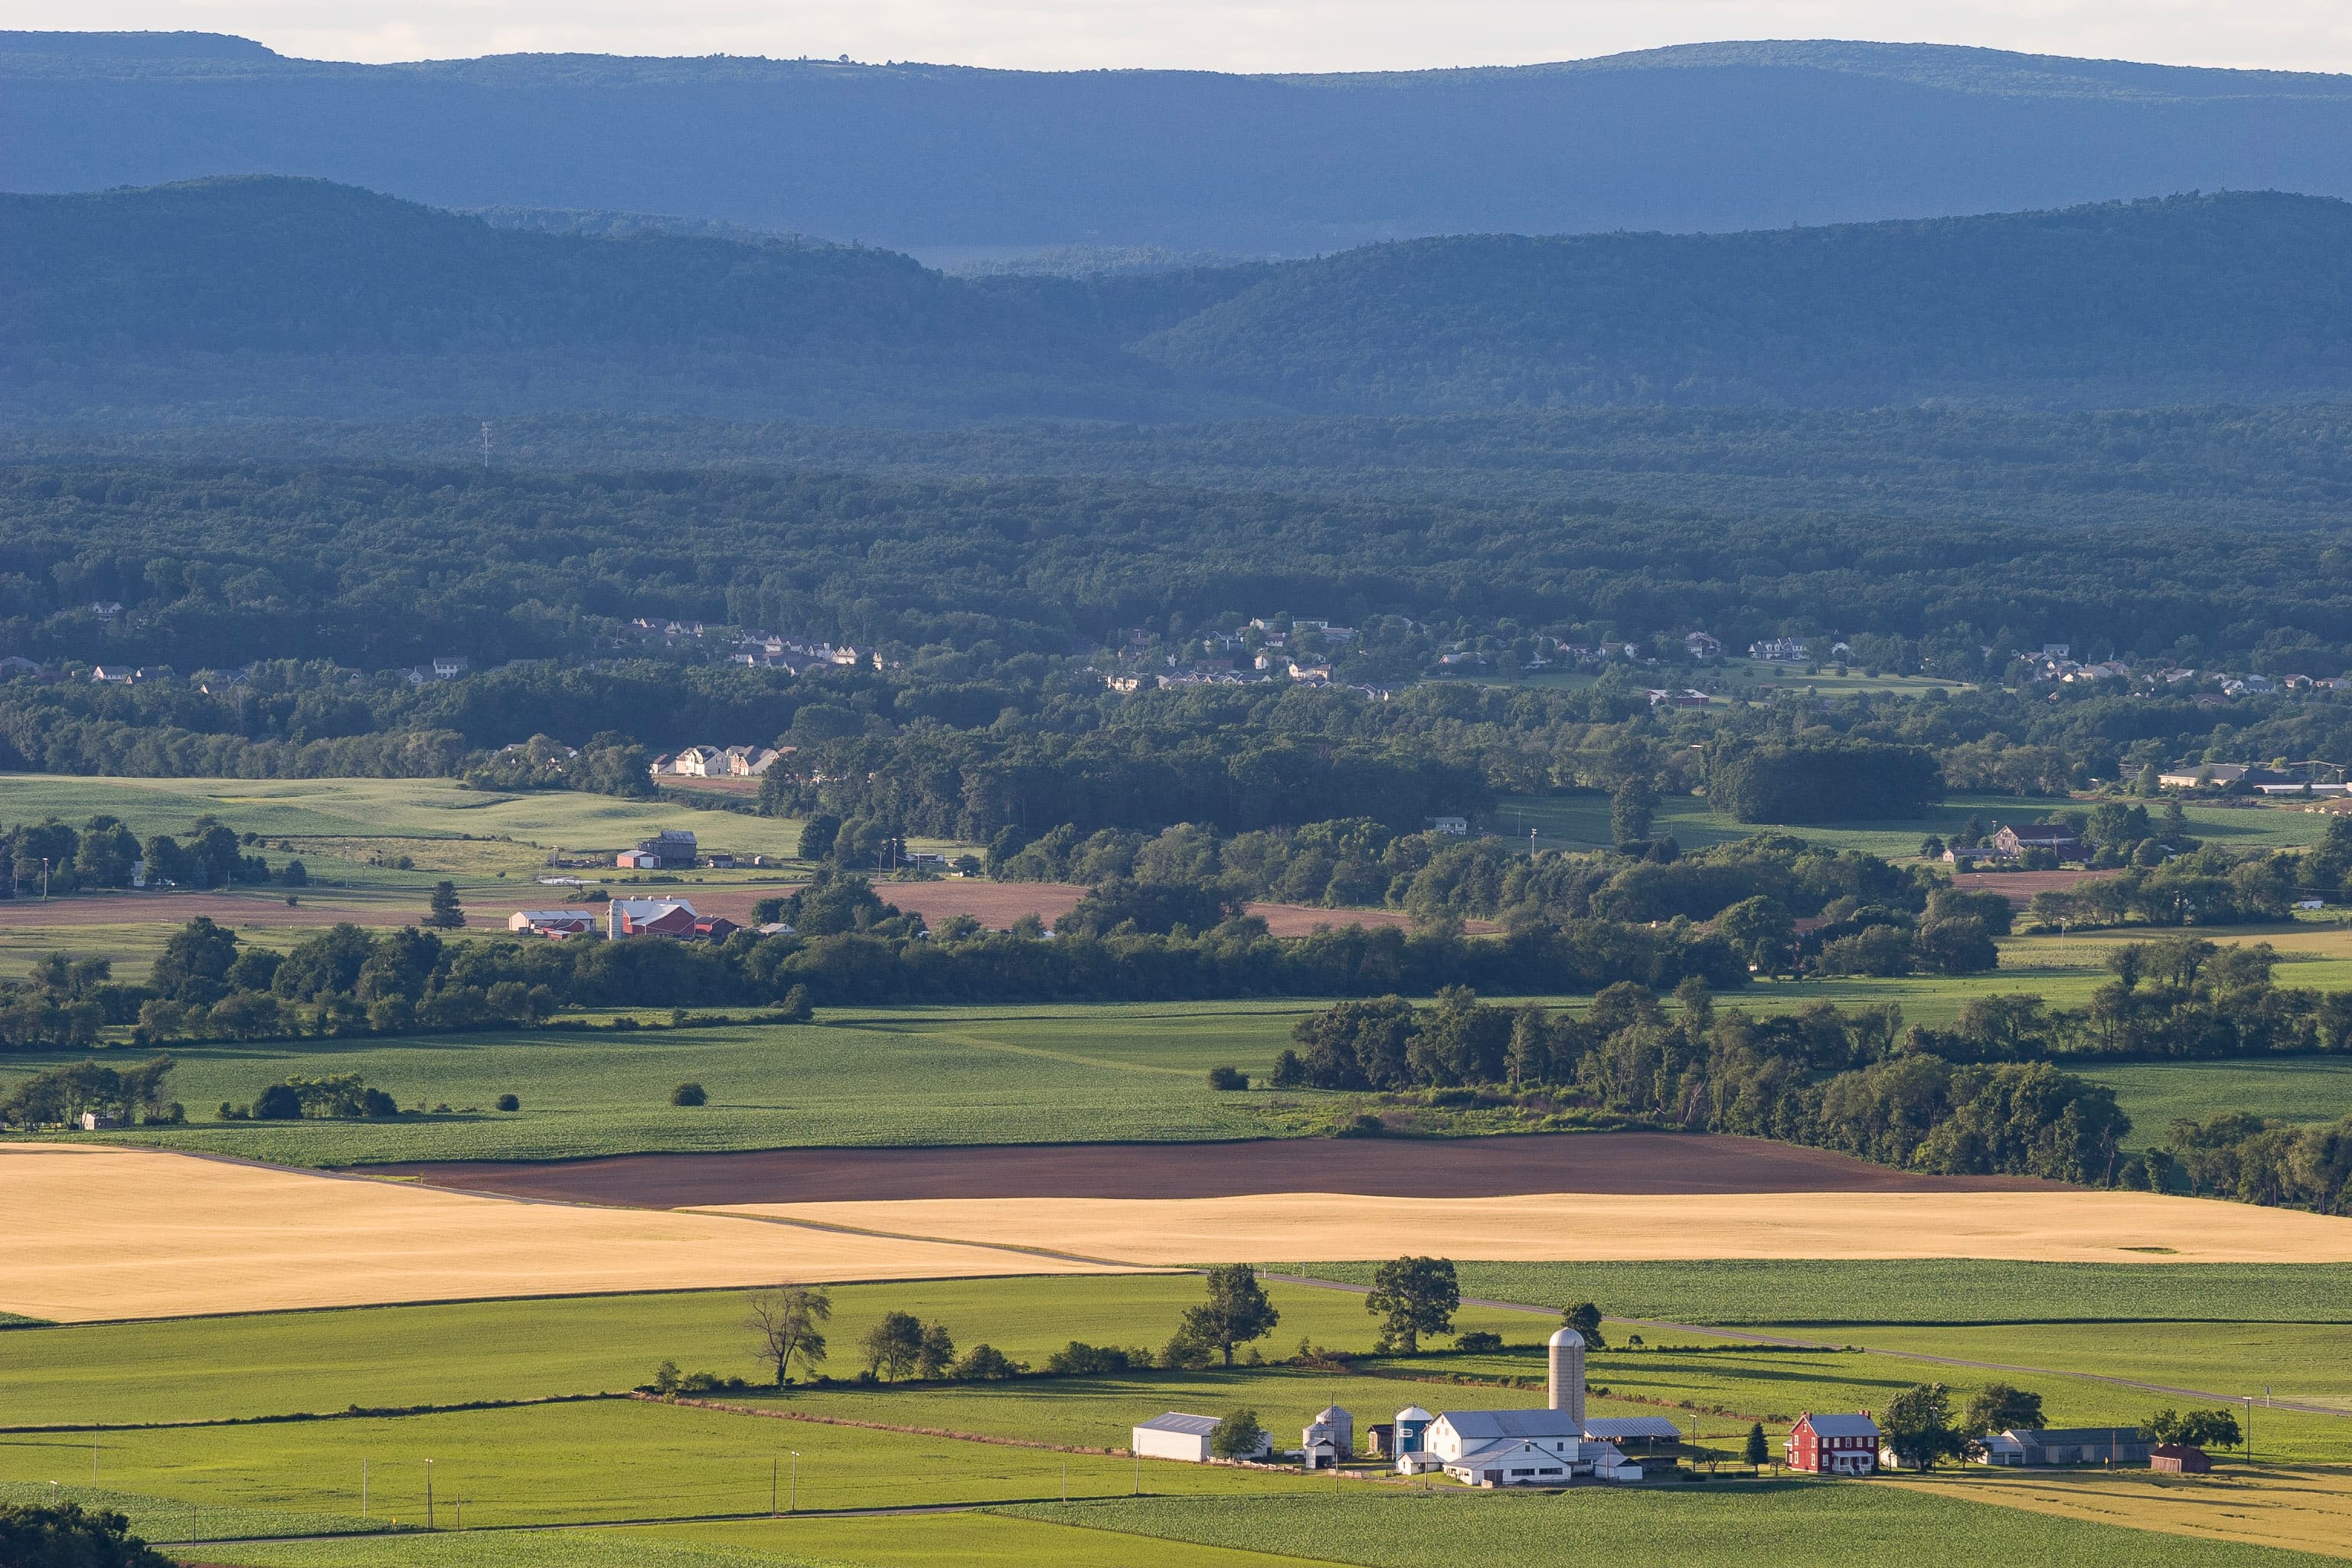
{"points": [[1568, 1374], [1343, 1429]]}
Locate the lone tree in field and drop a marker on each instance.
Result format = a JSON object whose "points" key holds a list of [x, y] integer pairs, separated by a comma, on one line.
{"points": [[1412, 1297], [1237, 1436], [444, 915], [1585, 1318], [790, 1323], [1757, 1450], [1998, 1407], [892, 1346], [1236, 1312], [1918, 1426], [1632, 809]]}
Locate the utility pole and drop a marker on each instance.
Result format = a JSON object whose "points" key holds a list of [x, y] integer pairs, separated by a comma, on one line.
{"points": [[486, 445], [428, 1494], [363, 1489], [795, 1453]]}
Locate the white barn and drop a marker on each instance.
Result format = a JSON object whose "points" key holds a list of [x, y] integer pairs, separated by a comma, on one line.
{"points": [[1177, 1435], [1516, 1447]]}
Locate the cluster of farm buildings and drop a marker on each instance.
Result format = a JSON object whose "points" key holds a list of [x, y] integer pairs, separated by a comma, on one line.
{"points": [[1556, 1444]]}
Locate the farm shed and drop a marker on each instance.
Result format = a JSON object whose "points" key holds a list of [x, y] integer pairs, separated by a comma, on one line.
{"points": [[2180, 1458], [2036, 1446]]}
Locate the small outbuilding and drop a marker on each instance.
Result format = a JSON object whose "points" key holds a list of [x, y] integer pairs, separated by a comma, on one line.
{"points": [[2180, 1459]]}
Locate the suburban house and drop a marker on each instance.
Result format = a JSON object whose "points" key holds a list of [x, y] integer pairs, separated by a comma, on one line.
{"points": [[558, 923], [1454, 825], [1778, 651], [1699, 645], [1177, 1435], [1833, 1445], [1515, 1447], [2010, 843], [449, 666], [2216, 774], [700, 762], [750, 761], [2037, 1446]]}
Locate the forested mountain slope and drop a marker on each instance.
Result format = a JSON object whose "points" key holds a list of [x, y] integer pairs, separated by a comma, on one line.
{"points": [[2189, 300], [248, 296], [1707, 137], [271, 297]]}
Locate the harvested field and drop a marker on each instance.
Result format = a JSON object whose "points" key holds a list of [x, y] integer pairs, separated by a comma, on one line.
{"points": [[997, 905], [95, 1233], [1458, 1168], [2062, 1226], [2019, 886], [2294, 1508]]}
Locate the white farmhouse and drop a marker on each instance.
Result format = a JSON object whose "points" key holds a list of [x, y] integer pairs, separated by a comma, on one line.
{"points": [[1516, 1447]]}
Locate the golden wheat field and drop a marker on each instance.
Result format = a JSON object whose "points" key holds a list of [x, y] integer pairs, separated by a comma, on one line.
{"points": [[2061, 1225], [2296, 1508], [96, 1233]]}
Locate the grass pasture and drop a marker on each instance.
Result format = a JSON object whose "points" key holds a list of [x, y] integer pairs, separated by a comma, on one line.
{"points": [[971, 1076], [175, 1518], [1838, 1293], [2294, 1089], [1581, 822], [198, 1369]]}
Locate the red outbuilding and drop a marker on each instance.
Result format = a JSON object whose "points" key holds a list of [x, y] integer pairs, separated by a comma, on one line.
{"points": [[1833, 1445]]}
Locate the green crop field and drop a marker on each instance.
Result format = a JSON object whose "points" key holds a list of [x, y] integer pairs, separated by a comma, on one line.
{"points": [[2297, 1089], [972, 1540], [980, 1076], [202, 1369], [1821, 1524], [615, 1460], [175, 1518], [1764, 1292]]}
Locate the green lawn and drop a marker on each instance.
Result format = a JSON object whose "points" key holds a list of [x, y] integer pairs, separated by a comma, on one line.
{"points": [[197, 1369], [1821, 1524], [618, 1459]]}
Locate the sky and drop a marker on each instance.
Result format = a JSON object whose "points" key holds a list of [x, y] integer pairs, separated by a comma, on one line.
{"points": [[1227, 34]]}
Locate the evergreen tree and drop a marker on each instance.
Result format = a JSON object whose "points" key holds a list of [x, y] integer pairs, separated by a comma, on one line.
{"points": [[444, 914], [1757, 1451]]}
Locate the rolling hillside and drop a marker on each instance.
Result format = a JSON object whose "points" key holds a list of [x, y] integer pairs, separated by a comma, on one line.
{"points": [[936, 158], [2192, 300], [273, 297], [260, 296]]}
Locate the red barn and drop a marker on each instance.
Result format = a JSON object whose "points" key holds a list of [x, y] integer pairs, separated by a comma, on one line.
{"points": [[1833, 1445]]}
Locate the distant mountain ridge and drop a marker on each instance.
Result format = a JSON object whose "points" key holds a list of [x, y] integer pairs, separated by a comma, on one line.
{"points": [[1712, 137], [276, 297]]}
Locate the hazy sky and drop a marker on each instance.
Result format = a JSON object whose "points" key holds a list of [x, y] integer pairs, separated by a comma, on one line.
{"points": [[1228, 34]]}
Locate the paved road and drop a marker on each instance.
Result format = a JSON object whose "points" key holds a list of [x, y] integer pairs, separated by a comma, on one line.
{"points": [[1748, 1336]]}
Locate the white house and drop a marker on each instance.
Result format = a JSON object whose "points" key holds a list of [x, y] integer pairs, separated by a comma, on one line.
{"points": [[1177, 1435], [701, 762]]}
